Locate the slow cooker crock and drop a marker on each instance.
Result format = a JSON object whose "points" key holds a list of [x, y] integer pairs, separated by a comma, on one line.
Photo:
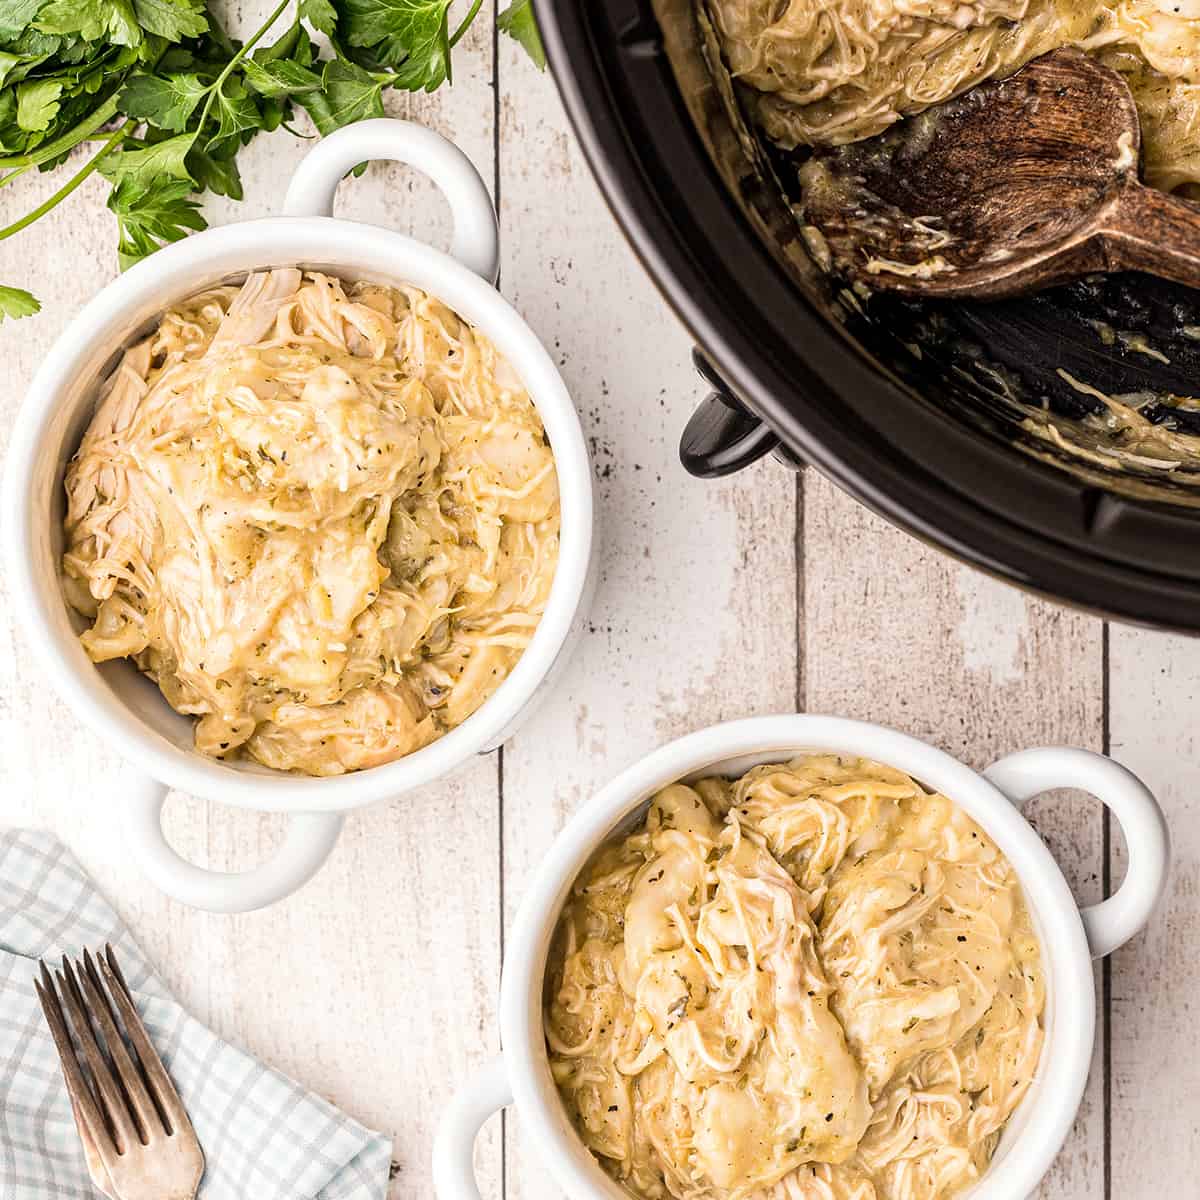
{"points": [[918, 436]]}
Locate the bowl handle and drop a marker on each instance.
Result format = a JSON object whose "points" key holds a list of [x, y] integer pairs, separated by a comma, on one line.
{"points": [[476, 242], [310, 839], [1112, 922], [486, 1092]]}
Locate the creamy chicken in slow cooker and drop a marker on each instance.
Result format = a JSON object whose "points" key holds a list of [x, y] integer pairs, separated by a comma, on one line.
{"points": [[323, 517], [827, 72], [816, 982]]}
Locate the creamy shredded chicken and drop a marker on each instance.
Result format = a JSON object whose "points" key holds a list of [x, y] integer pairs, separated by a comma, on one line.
{"points": [[323, 517], [817, 982], [827, 72]]}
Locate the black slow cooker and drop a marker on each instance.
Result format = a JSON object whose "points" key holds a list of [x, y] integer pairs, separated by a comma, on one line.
{"points": [[927, 413]]}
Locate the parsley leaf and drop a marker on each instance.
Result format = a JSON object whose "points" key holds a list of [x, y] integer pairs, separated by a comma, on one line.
{"points": [[216, 172], [351, 93], [411, 35], [282, 78], [236, 112], [92, 20], [17, 303], [320, 14], [148, 163], [37, 103], [149, 215], [172, 19], [9, 64], [165, 101], [16, 16], [518, 22]]}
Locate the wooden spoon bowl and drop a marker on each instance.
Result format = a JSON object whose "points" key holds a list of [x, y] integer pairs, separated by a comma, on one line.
{"points": [[1014, 186]]}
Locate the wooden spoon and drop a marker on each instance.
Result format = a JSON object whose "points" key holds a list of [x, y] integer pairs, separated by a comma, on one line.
{"points": [[1014, 186]]}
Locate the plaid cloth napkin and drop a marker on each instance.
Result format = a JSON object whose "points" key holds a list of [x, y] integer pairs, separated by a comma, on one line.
{"points": [[264, 1136]]}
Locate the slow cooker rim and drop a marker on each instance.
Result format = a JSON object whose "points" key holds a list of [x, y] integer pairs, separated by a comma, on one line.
{"points": [[1066, 564]]}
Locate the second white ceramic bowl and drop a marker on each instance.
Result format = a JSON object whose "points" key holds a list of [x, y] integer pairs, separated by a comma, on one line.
{"points": [[116, 700], [1070, 937]]}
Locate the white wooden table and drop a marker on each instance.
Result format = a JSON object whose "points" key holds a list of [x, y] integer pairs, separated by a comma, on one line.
{"points": [[377, 984]]}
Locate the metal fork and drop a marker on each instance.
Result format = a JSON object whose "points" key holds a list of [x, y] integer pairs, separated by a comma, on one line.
{"points": [[137, 1138]]}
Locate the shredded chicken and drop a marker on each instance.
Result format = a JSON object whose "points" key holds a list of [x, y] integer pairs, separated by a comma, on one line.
{"points": [[818, 982], [827, 72], [323, 517]]}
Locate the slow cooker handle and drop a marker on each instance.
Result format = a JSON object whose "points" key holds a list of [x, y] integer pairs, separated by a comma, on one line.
{"points": [[486, 1092], [1112, 922], [309, 842], [721, 436], [476, 242]]}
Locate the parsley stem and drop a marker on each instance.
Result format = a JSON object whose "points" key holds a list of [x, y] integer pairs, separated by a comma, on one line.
{"points": [[258, 37], [465, 22], [65, 142], [215, 87], [286, 44], [113, 140]]}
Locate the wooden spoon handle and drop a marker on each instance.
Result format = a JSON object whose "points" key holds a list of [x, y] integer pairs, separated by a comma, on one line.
{"points": [[1147, 230]]}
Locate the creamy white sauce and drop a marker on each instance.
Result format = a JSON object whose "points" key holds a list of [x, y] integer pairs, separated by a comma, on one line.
{"points": [[827, 72], [324, 518], [818, 982]]}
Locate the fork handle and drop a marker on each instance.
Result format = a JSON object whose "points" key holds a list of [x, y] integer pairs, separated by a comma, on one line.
{"points": [[310, 839]]}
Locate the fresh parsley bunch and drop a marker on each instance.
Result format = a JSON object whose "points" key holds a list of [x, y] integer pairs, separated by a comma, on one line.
{"points": [[167, 98]]}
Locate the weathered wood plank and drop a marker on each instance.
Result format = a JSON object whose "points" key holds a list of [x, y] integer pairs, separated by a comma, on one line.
{"points": [[376, 984], [694, 621], [899, 634], [1154, 684]]}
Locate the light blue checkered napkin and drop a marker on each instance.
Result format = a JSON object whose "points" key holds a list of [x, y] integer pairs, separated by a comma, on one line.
{"points": [[264, 1136]]}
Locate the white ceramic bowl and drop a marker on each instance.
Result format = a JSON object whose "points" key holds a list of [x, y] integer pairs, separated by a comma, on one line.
{"points": [[116, 700], [1070, 938]]}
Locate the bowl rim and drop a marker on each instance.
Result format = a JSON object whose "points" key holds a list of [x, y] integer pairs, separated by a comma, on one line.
{"points": [[1066, 1053], [339, 246]]}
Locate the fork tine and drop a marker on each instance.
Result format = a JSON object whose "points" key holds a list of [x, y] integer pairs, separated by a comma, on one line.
{"points": [[110, 1093], [98, 1000], [81, 1096], [101, 1180], [161, 1087]]}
